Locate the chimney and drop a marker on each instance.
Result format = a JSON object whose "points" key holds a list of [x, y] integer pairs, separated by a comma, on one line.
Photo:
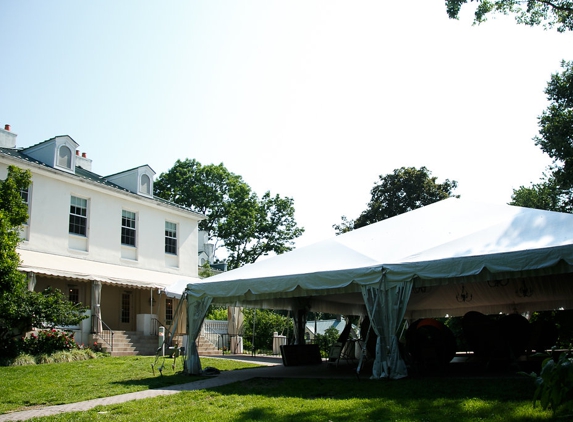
{"points": [[7, 138], [83, 161]]}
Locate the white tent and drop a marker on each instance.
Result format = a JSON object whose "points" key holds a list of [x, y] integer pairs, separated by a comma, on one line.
{"points": [[446, 258]]}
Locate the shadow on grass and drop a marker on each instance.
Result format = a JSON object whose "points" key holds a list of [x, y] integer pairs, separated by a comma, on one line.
{"points": [[432, 399], [160, 381]]}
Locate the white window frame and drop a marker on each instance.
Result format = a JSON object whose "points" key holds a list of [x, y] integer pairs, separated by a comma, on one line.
{"points": [[84, 217], [125, 228], [171, 236]]}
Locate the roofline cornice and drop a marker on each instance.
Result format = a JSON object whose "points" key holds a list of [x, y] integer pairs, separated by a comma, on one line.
{"points": [[117, 191]]}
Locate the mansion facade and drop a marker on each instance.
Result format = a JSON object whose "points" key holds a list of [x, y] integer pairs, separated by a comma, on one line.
{"points": [[104, 241]]}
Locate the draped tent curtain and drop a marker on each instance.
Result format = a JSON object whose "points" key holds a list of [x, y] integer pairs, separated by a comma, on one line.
{"points": [[196, 311], [386, 305], [96, 307], [235, 319]]}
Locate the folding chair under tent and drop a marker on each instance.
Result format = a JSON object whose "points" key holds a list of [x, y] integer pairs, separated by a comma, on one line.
{"points": [[410, 266]]}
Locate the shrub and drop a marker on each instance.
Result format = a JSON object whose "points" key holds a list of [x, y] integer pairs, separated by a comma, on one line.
{"points": [[554, 382], [57, 357], [326, 340], [47, 342], [266, 323], [23, 360]]}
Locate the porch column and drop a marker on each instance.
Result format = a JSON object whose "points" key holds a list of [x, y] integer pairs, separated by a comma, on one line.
{"points": [[31, 281], [96, 307]]}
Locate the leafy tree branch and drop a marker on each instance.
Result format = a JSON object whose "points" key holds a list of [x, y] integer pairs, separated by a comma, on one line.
{"points": [[549, 14]]}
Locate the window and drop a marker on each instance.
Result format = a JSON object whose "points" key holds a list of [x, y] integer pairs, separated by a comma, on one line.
{"points": [[170, 238], [145, 184], [78, 216], [74, 294], [125, 307], [25, 195], [128, 228], [168, 311], [65, 157]]}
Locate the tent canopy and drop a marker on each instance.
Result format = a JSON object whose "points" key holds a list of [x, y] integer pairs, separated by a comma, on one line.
{"points": [[437, 247], [446, 258]]}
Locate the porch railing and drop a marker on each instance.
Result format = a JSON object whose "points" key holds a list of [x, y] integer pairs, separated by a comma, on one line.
{"points": [[106, 334], [213, 331], [155, 324]]}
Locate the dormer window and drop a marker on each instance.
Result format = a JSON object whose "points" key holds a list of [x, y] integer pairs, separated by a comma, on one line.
{"points": [[145, 186], [58, 152], [138, 180], [64, 157]]}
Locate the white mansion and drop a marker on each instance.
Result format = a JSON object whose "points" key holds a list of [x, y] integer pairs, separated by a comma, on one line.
{"points": [[104, 241]]}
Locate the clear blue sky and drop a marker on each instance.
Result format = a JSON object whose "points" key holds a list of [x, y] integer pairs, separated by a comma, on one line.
{"points": [[308, 99]]}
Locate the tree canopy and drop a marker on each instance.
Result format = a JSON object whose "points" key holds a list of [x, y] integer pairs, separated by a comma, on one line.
{"points": [[19, 307], [403, 190], [554, 192], [247, 226], [545, 195], [548, 13], [556, 125]]}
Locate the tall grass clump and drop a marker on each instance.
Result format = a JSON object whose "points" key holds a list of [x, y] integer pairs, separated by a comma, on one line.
{"points": [[21, 360]]}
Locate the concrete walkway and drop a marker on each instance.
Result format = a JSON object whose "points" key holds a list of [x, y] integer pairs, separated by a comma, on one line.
{"points": [[273, 369]]}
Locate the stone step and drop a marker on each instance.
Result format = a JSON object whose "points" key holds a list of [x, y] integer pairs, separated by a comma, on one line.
{"points": [[129, 343], [126, 343], [206, 348]]}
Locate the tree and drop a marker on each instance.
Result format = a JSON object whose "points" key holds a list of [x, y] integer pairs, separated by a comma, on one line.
{"points": [[247, 226], [19, 307], [556, 125], [549, 13], [345, 226], [406, 189], [13, 214], [326, 340], [266, 322], [555, 137], [206, 271], [545, 195]]}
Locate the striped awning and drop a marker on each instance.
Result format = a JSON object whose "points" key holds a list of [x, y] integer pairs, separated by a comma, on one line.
{"points": [[82, 269]]}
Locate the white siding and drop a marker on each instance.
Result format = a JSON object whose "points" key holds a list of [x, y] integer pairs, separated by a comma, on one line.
{"points": [[49, 222]]}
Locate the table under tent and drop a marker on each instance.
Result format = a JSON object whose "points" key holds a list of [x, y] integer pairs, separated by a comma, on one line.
{"points": [[420, 264]]}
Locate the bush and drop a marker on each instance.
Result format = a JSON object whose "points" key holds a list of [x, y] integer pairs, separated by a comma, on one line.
{"points": [[57, 357], [326, 340], [554, 382], [47, 342], [22, 360], [266, 323]]}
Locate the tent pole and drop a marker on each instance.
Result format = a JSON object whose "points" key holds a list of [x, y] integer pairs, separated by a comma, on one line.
{"points": [[254, 322]]}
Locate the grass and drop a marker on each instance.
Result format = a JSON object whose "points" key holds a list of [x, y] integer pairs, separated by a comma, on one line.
{"points": [[23, 387], [412, 399], [306, 400]]}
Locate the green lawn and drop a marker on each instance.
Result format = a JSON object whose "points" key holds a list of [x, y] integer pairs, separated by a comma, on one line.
{"points": [[413, 399], [335, 400], [70, 382]]}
